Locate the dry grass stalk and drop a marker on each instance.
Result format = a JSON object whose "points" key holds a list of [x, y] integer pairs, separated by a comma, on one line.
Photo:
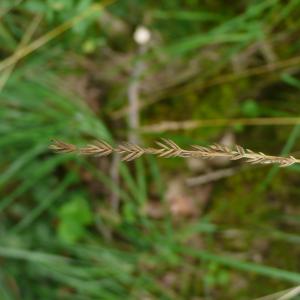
{"points": [[193, 124], [50, 35], [167, 148]]}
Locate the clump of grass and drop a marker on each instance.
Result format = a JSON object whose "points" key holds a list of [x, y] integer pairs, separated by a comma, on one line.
{"points": [[167, 148]]}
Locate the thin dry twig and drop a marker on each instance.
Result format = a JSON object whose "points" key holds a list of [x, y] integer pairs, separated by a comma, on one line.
{"points": [[115, 177], [211, 176], [167, 148], [133, 99]]}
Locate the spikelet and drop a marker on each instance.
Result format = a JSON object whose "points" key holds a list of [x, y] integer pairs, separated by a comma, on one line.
{"points": [[98, 148], [62, 147], [129, 151]]}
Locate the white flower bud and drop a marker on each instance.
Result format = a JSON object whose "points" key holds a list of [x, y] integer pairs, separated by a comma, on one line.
{"points": [[142, 35]]}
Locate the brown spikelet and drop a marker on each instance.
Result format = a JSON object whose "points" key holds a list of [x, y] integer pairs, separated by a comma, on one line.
{"points": [[212, 151], [62, 147], [168, 148], [130, 151], [98, 148]]}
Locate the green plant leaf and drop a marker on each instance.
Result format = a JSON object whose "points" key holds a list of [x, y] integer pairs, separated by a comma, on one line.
{"points": [[75, 215]]}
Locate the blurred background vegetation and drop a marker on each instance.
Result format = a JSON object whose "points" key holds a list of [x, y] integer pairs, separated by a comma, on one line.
{"points": [[88, 228]]}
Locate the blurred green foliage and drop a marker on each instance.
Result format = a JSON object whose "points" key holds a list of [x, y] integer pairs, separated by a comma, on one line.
{"points": [[79, 228], [74, 216]]}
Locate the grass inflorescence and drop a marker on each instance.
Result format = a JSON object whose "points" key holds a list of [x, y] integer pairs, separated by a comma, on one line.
{"points": [[168, 148]]}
